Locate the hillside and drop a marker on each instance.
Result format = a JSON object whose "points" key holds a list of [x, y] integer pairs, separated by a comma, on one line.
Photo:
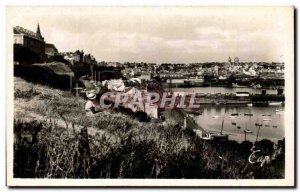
{"points": [[56, 67], [54, 139]]}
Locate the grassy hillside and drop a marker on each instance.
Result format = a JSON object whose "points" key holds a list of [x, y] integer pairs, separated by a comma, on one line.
{"points": [[56, 67], [54, 139]]}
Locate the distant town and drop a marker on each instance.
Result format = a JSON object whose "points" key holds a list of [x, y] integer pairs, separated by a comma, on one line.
{"points": [[30, 47]]}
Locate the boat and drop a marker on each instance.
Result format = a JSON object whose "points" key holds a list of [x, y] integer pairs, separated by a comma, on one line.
{"points": [[257, 124], [234, 114], [248, 131], [197, 113], [274, 126], [238, 86], [215, 117], [267, 119], [257, 86], [193, 112], [275, 103], [249, 104], [267, 115], [215, 136], [233, 123], [217, 103], [238, 127], [248, 114], [219, 135]]}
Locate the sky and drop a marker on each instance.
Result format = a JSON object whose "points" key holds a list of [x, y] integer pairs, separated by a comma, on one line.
{"points": [[159, 35]]}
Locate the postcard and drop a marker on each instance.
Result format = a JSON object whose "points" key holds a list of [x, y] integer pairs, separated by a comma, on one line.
{"points": [[150, 96]]}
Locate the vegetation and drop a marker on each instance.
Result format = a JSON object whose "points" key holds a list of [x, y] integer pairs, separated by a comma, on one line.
{"points": [[24, 55], [54, 139], [45, 75]]}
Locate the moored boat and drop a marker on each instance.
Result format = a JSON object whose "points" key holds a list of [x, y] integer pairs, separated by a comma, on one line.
{"points": [[267, 119], [248, 131], [275, 103], [267, 115], [237, 85]]}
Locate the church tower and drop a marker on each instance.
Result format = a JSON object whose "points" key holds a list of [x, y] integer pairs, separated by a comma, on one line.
{"points": [[38, 31]]}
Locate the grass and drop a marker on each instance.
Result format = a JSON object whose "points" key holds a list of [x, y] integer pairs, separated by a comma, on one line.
{"points": [[54, 139], [56, 67]]}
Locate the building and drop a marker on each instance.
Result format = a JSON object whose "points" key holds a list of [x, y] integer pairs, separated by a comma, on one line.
{"points": [[72, 57], [113, 64], [50, 50], [31, 40]]}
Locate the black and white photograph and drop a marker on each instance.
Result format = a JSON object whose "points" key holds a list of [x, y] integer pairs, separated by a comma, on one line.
{"points": [[150, 96]]}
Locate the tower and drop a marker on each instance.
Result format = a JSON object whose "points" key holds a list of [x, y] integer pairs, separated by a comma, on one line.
{"points": [[38, 32]]}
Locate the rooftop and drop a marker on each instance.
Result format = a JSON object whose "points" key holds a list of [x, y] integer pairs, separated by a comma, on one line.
{"points": [[21, 30]]}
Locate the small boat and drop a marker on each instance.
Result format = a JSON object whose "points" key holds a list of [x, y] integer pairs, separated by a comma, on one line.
{"points": [[233, 123], [201, 112], [257, 124], [267, 115], [278, 110], [215, 136], [215, 117], [248, 131], [257, 86], [275, 126], [248, 114], [198, 113], [234, 114], [267, 119], [237, 85], [249, 104], [217, 103], [238, 127], [275, 103]]}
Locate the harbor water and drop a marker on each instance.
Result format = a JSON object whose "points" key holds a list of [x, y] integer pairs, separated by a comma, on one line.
{"points": [[223, 90], [235, 121]]}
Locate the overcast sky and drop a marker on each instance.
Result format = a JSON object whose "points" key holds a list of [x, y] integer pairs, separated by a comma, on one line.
{"points": [[163, 34]]}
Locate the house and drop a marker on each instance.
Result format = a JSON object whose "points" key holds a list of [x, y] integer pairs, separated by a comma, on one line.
{"points": [[72, 57], [113, 64], [50, 50], [34, 41]]}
